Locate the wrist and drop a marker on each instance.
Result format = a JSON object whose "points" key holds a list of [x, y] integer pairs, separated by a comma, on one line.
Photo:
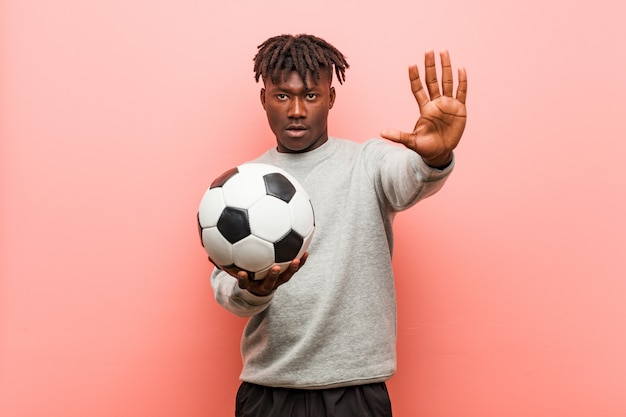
{"points": [[257, 294], [253, 298], [440, 162]]}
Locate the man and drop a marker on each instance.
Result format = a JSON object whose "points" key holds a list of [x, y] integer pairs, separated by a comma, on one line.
{"points": [[323, 343]]}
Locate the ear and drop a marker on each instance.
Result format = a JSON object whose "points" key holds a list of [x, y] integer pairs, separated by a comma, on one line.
{"points": [[262, 96], [331, 98]]}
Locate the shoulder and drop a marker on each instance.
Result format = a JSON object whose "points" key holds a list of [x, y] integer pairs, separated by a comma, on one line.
{"points": [[265, 156], [352, 147], [380, 151]]}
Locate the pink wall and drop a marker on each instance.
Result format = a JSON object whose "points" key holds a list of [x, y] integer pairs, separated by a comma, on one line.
{"points": [[115, 115]]}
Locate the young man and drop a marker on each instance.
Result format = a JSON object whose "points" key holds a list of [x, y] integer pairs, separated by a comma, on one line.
{"points": [[322, 342]]}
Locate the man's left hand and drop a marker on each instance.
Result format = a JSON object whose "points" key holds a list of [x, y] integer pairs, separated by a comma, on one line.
{"points": [[442, 116]]}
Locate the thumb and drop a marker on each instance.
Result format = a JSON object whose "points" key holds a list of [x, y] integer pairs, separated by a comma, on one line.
{"points": [[397, 136]]}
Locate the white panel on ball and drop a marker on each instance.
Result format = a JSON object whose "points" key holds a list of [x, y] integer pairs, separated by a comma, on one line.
{"points": [[253, 254], [221, 249], [256, 168], [211, 207], [243, 190], [301, 214], [270, 219]]}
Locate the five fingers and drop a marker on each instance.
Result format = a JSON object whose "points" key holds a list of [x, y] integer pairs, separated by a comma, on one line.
{"points": [[432, 83]]}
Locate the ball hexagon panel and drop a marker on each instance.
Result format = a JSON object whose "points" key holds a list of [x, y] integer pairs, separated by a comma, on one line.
{"points": [[221, 249], [301, 213], [306, 243], [270, 218], [211, 207], [243, 190], [253, 254], [255, 168]]}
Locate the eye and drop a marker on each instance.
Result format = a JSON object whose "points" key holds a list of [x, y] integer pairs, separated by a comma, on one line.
{"points": [[281, 96], [311, 96]]}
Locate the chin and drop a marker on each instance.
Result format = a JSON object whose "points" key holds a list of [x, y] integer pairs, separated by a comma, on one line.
{"points": [[293, 146], [284, 149]]}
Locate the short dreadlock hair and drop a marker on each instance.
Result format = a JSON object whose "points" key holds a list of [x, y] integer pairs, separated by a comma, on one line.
{"points": [[301, 53]]}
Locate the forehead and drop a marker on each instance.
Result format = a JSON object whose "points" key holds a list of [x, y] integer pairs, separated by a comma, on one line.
{"points": [[293, 79]]}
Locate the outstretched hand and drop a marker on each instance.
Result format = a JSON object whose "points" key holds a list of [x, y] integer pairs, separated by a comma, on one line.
{"points": [[273, 280], [442, 116]]}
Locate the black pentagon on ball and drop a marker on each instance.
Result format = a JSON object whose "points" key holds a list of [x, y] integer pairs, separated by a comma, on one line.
{"points": [[277, 185], [287, 248], [221, 180], [233, 224]]}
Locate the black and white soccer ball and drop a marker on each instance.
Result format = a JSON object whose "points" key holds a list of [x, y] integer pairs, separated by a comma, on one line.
{"points": [[253, 217]]}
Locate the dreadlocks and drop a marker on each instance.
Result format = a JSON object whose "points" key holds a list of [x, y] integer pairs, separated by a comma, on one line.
{"points": [[301, 53]]}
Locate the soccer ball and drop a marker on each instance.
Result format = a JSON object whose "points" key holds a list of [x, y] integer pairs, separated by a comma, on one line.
{"points": [[253, 217]]}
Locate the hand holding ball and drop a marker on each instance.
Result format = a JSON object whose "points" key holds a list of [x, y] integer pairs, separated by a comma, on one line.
{"points": [[253, 217]]}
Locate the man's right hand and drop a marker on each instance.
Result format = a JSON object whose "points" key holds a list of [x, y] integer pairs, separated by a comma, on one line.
{"points": [[273, 280]]}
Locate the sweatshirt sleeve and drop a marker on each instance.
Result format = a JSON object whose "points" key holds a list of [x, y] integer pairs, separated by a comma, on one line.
{"points": [[401, 176], [239, 302]]}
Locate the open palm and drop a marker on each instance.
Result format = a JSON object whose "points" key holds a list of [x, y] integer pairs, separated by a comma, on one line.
{"points": [[442, 116]]}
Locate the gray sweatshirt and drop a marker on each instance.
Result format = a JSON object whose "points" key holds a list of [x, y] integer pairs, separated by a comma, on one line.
{"points": [[334, 323]]}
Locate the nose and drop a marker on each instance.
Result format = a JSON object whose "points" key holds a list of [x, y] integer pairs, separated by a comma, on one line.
{"points": [[296, 108]]}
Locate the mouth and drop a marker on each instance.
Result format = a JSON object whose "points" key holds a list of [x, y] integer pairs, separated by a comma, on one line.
{"points": [[296, 131]]}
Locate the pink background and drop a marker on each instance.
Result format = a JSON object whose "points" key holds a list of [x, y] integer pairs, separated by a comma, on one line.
{"points": [[115, 116]]}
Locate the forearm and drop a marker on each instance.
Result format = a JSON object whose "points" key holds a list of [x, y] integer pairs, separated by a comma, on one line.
{"points": [[406, 178], [239, 302], [431, 178]]}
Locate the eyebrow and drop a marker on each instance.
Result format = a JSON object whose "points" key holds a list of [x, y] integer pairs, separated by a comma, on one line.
{"points": [[314, 87]]}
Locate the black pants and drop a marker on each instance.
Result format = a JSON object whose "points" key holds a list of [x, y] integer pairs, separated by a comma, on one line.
{"points": [[370, 400]]}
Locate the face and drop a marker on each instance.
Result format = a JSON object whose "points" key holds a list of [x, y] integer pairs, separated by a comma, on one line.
{"points": [[298, 114]]}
